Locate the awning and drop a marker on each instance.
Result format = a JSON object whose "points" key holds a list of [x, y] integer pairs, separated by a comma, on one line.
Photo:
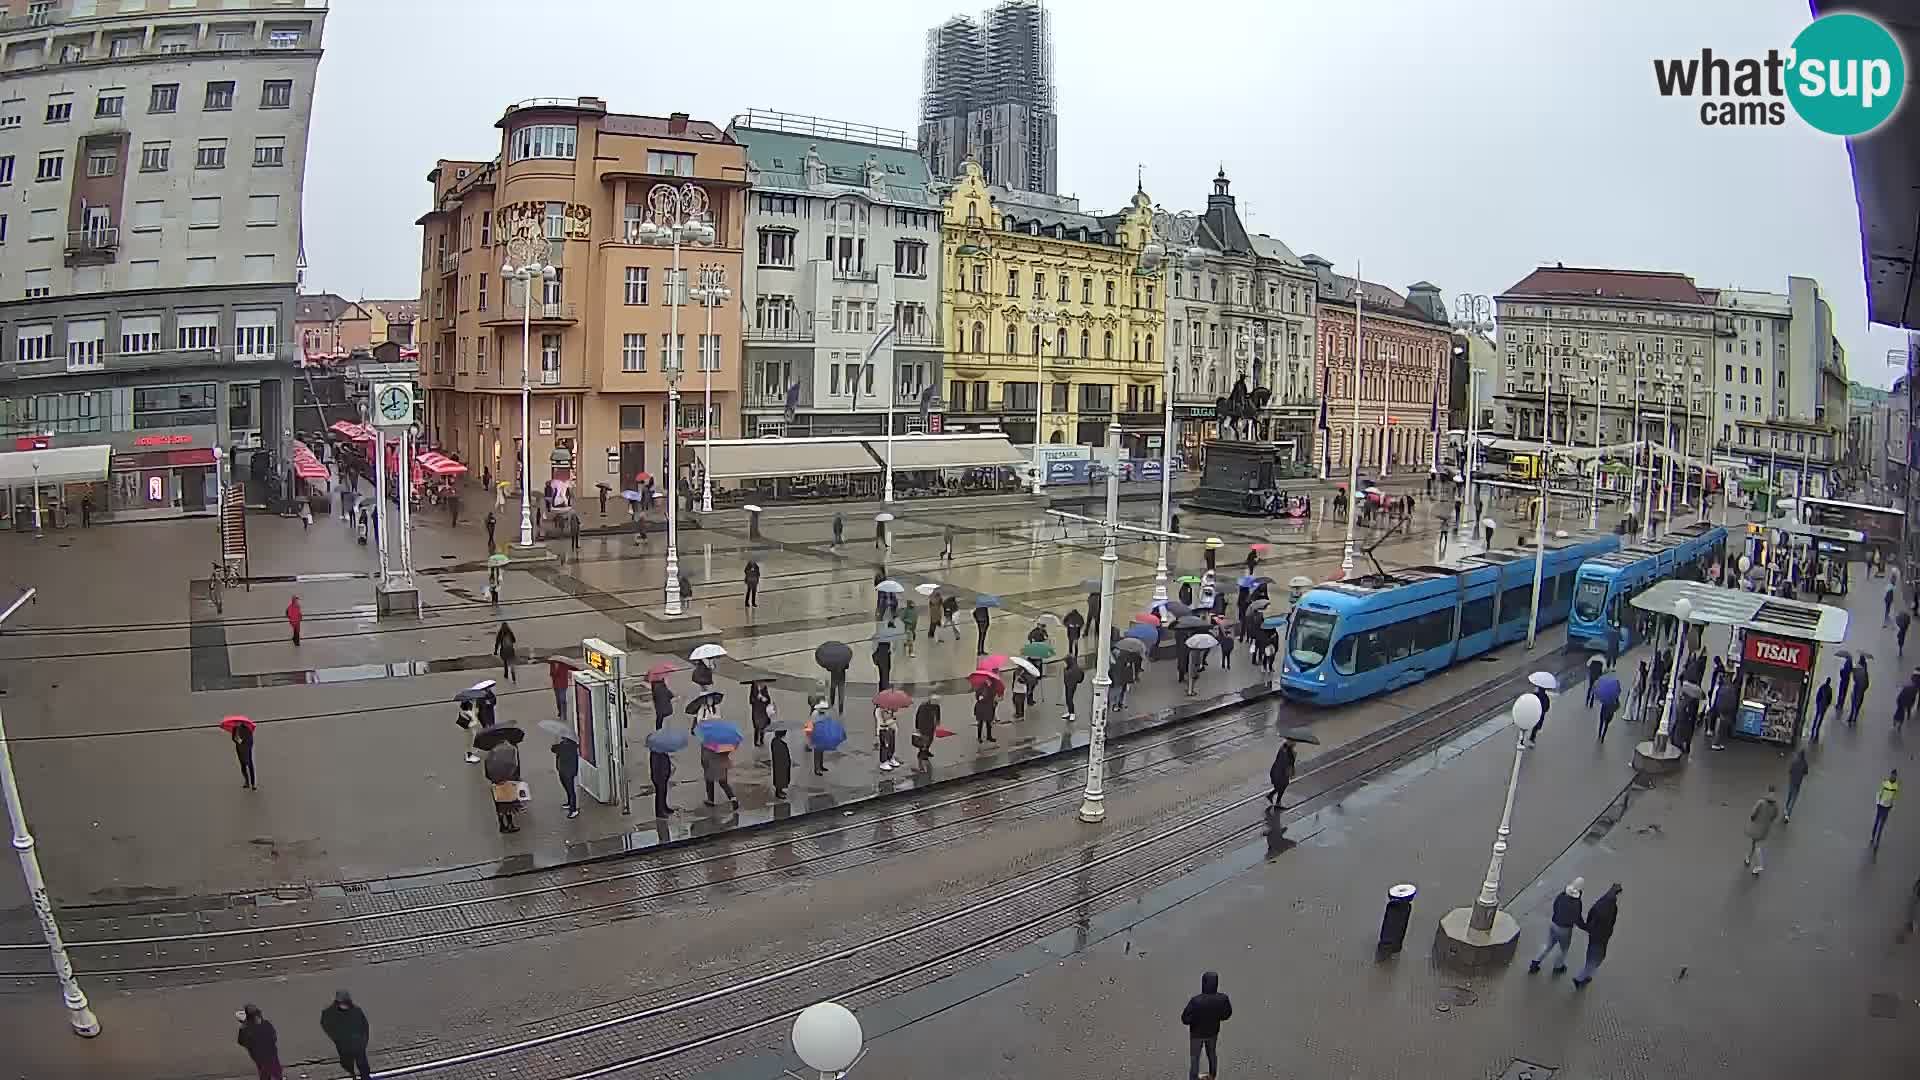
{"points": [[440, 464], [949, 452], [746, 459], [356, 432], [305, 465], [1716, 606], [59, 465]]}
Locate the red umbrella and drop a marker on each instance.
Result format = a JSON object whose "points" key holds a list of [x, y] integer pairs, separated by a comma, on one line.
{"points": [[1260, 547], [991, 663], [234, 723], [642, 477], [660, 671], [1147, 618], [977, 678], [893, 699]]}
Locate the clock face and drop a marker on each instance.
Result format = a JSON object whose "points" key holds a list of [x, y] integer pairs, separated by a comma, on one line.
{"points": [[395, 404]]}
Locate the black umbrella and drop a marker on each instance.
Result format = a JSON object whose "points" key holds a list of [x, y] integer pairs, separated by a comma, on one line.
{"points": [[710, 697], [833, 655], [1189, 622], [494, 736], [1299, 735], [477, 693], [1179, 608]]}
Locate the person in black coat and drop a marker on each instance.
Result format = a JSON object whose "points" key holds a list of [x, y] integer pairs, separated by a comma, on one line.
{"points": [[1599, 927], [985, 702], [504, 647], [1822, 701], [760, 705], [243, 749], [662, 704], [1204, 1014], [261, 1042], [1545, 704], [1280, 774], [1093, 613], [1124, 671], [1859, 692], [566, 762], [346, 1026], [1074, 624], [926, 721], [753, 584], [980, 620], [1186, 593], [660, 769], [882, 663], [1071, 676], [782, 763]]}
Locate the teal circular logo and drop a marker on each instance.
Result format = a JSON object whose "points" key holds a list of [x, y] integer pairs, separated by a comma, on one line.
{"points": [[1847, 74]]}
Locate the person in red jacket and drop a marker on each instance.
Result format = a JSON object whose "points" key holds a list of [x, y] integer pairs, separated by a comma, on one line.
{"points": [[560, 674], [293, 618]]}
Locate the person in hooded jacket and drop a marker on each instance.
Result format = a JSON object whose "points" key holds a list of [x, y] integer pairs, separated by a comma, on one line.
{"points": [[1822, 701], [1123, 672], [1566, 918], [243, 749], [261, 1042], [347, 1028], [1204, 1014], [503, 647], [662, 704], [1280, 773], [503, 772], [752, 576], [782, 763], [566, 763], [985, 702], [926, 721], [760, 705], [1071, 676], [1598, 924], [1074, 623]]}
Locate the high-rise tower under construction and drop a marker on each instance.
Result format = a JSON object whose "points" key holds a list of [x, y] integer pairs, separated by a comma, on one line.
{"points": [[989, 96]]}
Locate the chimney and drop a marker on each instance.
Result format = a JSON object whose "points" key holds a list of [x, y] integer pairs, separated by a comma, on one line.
{"points": [[677, 124]]}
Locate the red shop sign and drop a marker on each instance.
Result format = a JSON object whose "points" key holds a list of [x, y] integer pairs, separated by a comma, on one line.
{"points": [[1779, 652], [162, 440]]}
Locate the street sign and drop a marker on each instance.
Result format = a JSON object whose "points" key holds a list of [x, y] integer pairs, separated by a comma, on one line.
{"points": [[371, 371], [392, 404]]}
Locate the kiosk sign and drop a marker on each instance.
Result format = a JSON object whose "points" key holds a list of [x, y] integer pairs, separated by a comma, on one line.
{"points": [[1779, 652]]}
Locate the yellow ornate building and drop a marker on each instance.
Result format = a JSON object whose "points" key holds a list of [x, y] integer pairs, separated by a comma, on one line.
{"points": [[1049, 320]]}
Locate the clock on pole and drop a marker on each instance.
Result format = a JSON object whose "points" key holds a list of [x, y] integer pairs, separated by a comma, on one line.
{"points": [[392, 404]]}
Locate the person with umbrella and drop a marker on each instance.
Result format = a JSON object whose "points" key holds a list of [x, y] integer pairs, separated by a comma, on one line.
{"points": [[782, 763], [834, 657], [241, 730], [717, 742], [886, 720], [1074, 624], [1606, 691], [703, 707], [981, 617], [503, 647], [503, 772], [566, 762], [752, 576], [986, 700], [662, 701], [1125, 670], [760, 706], [1023, 684], [1280, 774], [823, 733], [926, 727], [1542, 682], [660, 767], [1860, 681]]}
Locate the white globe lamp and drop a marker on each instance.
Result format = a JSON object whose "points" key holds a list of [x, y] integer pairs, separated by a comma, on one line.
{"points": [[827, 1038]]}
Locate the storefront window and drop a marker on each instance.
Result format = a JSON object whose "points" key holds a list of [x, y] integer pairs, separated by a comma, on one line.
{"points": [[243, 401], [191, 405]]}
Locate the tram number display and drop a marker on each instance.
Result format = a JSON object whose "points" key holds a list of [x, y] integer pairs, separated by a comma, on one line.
{"points": [[1779, 652]]}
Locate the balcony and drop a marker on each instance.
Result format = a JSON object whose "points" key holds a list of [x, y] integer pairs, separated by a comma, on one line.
{"points": [[449, 262], [514, 312], [549, 377], [870, 276], [919, 337], [90, 247], [776, 334]]}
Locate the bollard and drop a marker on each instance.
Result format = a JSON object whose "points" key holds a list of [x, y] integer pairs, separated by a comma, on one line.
{"points": [[753, 522], [1393, 922]]}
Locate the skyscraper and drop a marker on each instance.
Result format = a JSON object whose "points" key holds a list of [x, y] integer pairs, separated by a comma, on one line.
{"points": [[989, 96]]}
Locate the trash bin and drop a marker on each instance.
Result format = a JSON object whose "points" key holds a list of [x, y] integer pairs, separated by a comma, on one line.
{"points": [[1393, 923]]}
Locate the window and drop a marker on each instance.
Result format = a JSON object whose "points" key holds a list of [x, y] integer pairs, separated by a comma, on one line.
{"points": [[636, 285], [42, 223], [110, 103], [155, 156], [34, 344], [269, 152], [1060, 343], [263, 209], [839, 308], [776, 247], [59, 110], [219, 97], [566, 411], [125, 45], [664, 163], [1063, 287], [283, 39], [910, 260], [674, 353], [101, 163], [198, 330], [544, 141], [1109, 293], [3, 228], [1013, 342], [1106, 349], [709, 352], [633, 357], [1086, 339], [556, 221], [10, 112], [192, 405], [1036, 341], [254, 332], [1086, 290], [164, 97], [206, 212], [979, 337], [139, 333], [6, 168], [146, 215], [52, 166], [1013, 284], [210, 154]]}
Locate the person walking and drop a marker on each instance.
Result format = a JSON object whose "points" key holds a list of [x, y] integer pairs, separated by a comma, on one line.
{"points": [[1533, 737], [1123, 674], [1900, 624], [662, 703], [1759, 823], [660, 771], [1074, 624], [1822, 700], [760, 706], [573, 531], [980, 620], [910, 622], [1280, 773], [1886, 606], [243, 749], [946, 542], [886, 735], [686, 586], [491, 522], [261, 1042], [883, 662], [715, 768], [1883, 805], [839, 530], [1796, 775], [306, 516], [86, 512], [1204, 1014], [560, 677], [1860, 680], [566, 763], [1846, 678], [347, 1028], [1903, 702], [1071, 676], [1598, 924], [1595, 666], [502, 769], [1613, 645], [985, 701], [294, 616], [950, 609], [503, 647], [1560, 927], [1607, 693]]}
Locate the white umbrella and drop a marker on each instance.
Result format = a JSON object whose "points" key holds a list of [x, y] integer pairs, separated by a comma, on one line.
{"points": [[1023, 664], [890, 586], [883, 517], [1544, 680], [708, 651], [927, 588], [1203, 641], [557, 729], [483, 684]]}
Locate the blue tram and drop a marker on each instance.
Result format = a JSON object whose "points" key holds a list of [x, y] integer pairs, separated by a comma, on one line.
{"points": [[1606, 584], [1352, 639]]}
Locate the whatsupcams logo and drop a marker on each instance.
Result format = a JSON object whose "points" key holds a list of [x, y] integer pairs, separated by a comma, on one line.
{"points": [[1844, 75]]}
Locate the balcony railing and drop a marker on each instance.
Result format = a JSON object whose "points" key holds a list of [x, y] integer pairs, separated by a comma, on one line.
{"points": [[449, 262], [514, 311], [919, 336], [99, 241], [549, 377], [870, 276], [780, 333]]}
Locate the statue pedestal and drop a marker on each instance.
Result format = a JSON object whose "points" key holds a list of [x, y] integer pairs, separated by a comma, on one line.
{"points": [[1234, 470]]}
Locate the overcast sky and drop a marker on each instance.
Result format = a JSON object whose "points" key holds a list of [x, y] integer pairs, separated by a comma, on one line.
{"points": [[1463, 142]]}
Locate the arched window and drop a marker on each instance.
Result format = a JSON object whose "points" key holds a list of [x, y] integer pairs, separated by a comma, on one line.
{"points": [[1107, 353], [1149, 348], [1136, 348], [973, 210], [1060, 346], [979, 337], [1036, 341], [1086, 339], [1013, 342]]}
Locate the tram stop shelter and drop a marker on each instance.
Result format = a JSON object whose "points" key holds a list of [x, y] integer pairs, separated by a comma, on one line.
{"points": [[1774, 647], [1833, 548]]}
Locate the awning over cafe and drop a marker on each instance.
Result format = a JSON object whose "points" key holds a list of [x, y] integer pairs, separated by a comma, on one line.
{"points": [[948, 451], [748, 459], [59, 465]]}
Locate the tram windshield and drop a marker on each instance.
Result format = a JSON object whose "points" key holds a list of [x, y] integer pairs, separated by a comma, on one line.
{"points": [[1588, 598], [1312, 634]]}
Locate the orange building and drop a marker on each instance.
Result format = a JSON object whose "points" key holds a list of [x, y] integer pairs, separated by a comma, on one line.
{"points": [[579, 180]]}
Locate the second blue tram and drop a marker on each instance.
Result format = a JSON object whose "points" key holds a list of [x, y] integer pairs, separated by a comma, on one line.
{"points": [[1606, 584], [1352, 639]]}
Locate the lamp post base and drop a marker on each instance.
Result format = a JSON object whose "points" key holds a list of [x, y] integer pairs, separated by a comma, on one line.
{"points": [[1648, 759], [1456, 944], [1093, 811], [530, 553], [657, 629]]}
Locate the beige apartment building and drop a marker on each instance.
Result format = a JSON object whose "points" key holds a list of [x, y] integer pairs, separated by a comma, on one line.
{"points": [[581, 181]]}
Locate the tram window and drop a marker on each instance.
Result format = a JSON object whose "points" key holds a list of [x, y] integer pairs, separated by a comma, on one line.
{"points": [[1343, 651], [1433, 630], [1477, 616], [1516, 602], [1547, 592], [1373, 649]]}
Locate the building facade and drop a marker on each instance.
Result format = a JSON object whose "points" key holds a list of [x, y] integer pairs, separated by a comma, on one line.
{"points": [[1050, 326], [577, 181], [1782, 385], [843, 236], [152, 161], [1402, 392], [327, 324], [393, 320], [988, 98], [1246, 313]]}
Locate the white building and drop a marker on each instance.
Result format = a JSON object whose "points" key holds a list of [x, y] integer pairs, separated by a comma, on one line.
{"points": [[152, 158], [1781, 383], [843, 238]]}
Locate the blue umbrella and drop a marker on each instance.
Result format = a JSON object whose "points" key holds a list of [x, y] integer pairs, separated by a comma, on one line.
{"points": [[667, 740], [719, 733], [1607, 689], [1273, 622], [1248, 581], [633, 496], [827, 733], [1147, 634], [986, 600]]}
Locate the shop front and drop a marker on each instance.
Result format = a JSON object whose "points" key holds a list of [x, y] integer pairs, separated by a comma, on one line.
{"points": [[45, 485], [1773, 687], [160, 475]]}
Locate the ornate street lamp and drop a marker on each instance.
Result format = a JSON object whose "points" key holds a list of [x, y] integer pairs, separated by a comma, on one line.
{"points": [[1172, 241], [711, 292], [527, 263]]}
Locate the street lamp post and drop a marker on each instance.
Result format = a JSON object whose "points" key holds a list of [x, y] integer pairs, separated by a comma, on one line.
{"points": [[1483, 935], [675, 216], [882, 340], [79, 1013], [1469, 514], [1040, 316], [711, 292], [1658, 754], [1172, 239], [527, 255], [1353, 438]]}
